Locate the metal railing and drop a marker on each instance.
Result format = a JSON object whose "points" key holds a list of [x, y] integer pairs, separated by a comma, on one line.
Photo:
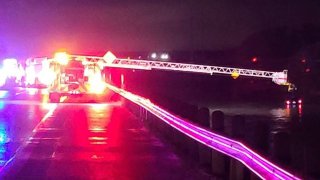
{"points": [[234, 149]]}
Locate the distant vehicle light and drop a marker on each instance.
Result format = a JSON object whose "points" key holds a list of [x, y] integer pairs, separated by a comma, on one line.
{"points": [[62, 58], [164, 56], [293, 102], [154, 55]]}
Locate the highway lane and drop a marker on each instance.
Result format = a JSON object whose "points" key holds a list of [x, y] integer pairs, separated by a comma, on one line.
{"points": [[79, 140], [20, 111]]}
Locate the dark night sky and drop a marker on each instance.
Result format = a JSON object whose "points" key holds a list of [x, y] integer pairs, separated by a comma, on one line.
{"points": [[40, 27]]}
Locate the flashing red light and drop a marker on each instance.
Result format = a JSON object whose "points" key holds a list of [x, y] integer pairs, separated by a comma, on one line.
{"points": [[288, 102], [254, 59], [303, 60], [62, 58], [300, 101], [308, 69]]}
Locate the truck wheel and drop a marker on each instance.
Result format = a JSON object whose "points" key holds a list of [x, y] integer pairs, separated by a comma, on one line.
{"points": [[54, 97]]}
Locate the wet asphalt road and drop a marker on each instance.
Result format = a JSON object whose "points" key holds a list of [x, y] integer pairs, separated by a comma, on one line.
{"points": [[79, 140]]}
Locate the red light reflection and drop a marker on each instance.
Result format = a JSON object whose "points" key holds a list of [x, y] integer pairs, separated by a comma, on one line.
{"points": [[300, 110]]}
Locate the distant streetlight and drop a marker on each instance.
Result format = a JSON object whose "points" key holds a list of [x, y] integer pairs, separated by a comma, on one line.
{"points": [[154, 55]]}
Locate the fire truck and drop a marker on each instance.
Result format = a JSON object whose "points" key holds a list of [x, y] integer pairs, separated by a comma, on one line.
{"points": [[11, 73], [66, 75]]}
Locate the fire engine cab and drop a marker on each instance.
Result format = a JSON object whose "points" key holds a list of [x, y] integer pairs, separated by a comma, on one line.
{"points": [[75, 76], [67, 75]]}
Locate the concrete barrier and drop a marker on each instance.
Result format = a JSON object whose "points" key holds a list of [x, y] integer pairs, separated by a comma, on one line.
{"points": [[219, 161], [217, 121], [237, 171], [204, 151]]}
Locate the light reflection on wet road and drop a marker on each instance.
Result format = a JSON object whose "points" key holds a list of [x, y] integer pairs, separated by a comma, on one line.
{"points": [[82, 141], [18, 116]]}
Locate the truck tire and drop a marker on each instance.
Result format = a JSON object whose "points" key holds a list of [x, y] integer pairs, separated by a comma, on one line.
{"points": [[54, 97]]}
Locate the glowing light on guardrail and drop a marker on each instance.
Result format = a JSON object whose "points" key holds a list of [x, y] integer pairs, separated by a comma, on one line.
{"points": [[256, 163]]}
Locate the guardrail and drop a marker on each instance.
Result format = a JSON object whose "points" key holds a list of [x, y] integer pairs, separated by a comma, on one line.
{"points": [[256, 163]]}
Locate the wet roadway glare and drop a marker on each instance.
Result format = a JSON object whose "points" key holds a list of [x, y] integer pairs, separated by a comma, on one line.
{"points": [[79, 139]]}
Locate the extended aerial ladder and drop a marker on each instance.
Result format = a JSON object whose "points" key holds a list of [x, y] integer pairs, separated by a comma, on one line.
{"points": [[109, 60]]}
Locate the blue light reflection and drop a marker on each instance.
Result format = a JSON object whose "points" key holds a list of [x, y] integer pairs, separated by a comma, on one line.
{"points": [[2, 104], [4, 140]]}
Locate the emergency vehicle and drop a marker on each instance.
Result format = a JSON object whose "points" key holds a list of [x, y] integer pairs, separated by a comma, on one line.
{"points": [[67, 75], [11, 73]]}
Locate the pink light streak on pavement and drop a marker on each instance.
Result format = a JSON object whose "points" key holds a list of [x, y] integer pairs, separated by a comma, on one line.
{"points": [[256, 163]]}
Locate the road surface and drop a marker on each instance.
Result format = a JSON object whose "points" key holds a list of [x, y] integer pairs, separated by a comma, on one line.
{"points": [[73, 140]]}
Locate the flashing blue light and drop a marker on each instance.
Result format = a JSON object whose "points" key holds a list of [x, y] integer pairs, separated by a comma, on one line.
{"points": [[4, 140], [1, 105], [3, 134], [3, 137]]}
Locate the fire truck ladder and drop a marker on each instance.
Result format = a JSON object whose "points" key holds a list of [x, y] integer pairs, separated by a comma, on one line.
{"points": [[279, 78]]}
